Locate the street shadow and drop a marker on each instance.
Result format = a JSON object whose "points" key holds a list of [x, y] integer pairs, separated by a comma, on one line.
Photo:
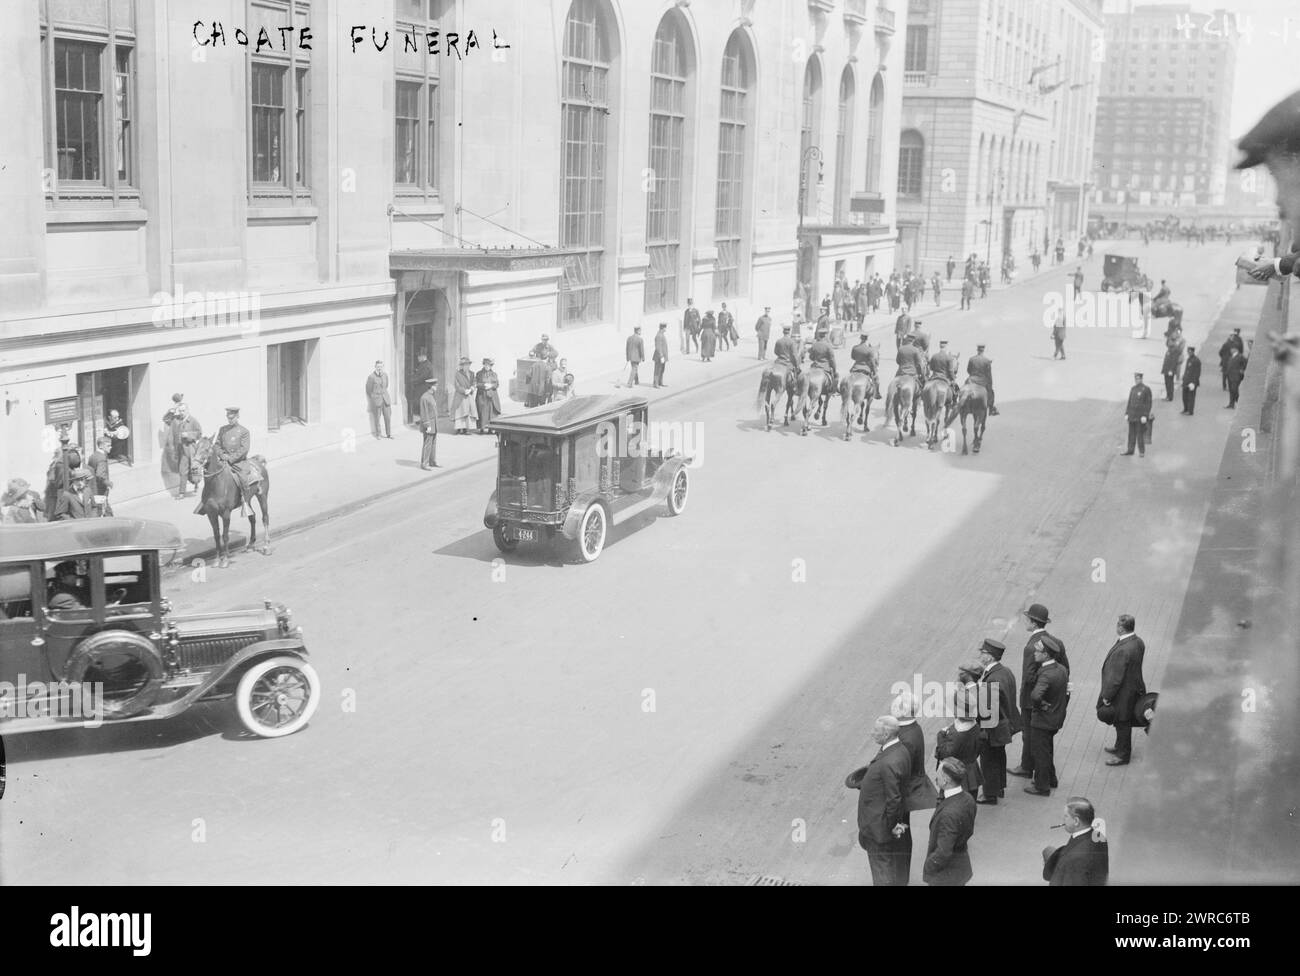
{"points": [[479, 546], [198, 722]]}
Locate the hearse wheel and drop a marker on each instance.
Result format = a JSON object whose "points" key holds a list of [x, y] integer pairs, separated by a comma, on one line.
{"points": [[678, 493], [591, 533], [504, 542], [277, 696], [121, 664]]}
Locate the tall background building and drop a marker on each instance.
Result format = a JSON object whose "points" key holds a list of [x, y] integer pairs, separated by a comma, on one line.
{"points": [[998, 116], [1163, 138], [586, 167]]}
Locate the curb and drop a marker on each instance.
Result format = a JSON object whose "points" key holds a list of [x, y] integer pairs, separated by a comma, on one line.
{"points": [[209, 551]]}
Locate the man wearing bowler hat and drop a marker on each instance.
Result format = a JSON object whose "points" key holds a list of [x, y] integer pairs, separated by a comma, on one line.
{"points": [[1138, 414], [1036, 621], [999, 719], [1047, 706], [429, 424]]}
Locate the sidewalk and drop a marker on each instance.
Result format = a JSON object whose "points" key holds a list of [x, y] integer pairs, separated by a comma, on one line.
{"points": [[324, 484]]}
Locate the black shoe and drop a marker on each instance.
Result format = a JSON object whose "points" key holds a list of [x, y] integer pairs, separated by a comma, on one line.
{"points": [[1113, 752], [1125, 453], [990, 801], [1019, 772], [1035, 791], [1117, 762]]}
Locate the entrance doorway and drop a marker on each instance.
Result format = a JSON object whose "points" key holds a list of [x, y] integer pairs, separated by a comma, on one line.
{"points": [[107, 399], [425, 330]]}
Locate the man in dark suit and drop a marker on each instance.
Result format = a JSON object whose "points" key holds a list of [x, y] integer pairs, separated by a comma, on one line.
{"points": [[635, 354], [690, 327], [1122, 686], [1036, 621], [429, 424], [999, 719], [919, 793], [661, 353], [947, 860], [1085, 858], [1047, 703], [882, 811], [381, 402], [1191, 380], [1169, 368], [1137, 413], [1236, 371], [1232, 344]]}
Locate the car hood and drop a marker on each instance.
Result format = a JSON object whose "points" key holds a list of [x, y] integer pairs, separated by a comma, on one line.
{"points": [[224, 622]]}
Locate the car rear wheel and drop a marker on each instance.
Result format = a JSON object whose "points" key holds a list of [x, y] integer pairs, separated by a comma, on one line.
{"points": [[504, 543], [591, 533], [277, 696], [679, 492], [121, 665]]}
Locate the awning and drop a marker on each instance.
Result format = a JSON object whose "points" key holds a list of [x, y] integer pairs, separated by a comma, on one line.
{"points": [[480, 258]]}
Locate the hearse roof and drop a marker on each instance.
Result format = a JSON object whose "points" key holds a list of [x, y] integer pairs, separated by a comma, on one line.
{"points": [[569, 415], [77, 537]]}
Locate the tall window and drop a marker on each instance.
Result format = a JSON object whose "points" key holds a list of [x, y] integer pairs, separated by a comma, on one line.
{"points": [[875, 145], [584, 119], [668, 67], [914, 54], [733, 114], [279, 97], [416, 104], [810, 135], [844, 147], [911, 150], [88, 101]]}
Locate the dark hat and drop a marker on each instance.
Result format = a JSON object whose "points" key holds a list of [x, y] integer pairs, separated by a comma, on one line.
{"points": [[993, 648], [466, 361], [1238, 331], [177, 397], [1277, 131], [663, 325], [636, 328], [943, 342], [785, 328], [1038, 612], [979, 348], [487, 361], [1191, 349], [67, 566]]}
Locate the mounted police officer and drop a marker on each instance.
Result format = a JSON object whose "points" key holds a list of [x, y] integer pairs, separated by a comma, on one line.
{"points": [[979, 370], [920, 338], [231, 447], [865, 360], [944, 363], [911, 362], [786, 351], [821, 354]]}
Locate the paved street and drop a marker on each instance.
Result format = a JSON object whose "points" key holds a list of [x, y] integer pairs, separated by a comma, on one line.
{"points": [[530, 721]]}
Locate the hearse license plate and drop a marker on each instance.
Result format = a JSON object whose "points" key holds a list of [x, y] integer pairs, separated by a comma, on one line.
{"points": [[526, 535]]}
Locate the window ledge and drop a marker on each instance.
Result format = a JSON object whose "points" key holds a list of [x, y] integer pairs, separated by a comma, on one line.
{"points": [[286, 213], [416, 207], [116, 215]]}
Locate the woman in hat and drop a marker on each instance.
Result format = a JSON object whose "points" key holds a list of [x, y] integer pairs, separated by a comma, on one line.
{"points": [[20, 504], [464, 411], [708, 337]]}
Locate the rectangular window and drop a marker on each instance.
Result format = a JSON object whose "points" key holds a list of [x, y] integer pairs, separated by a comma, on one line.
{"points": [[268, 123], [122, 94], [909, 171], [78, 101], [287, 366], [408, 134], [417, 106], [663, 203], [914, 55], [300, 125]]}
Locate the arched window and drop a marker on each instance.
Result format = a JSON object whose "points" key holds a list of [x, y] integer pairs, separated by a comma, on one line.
{"points": [[668, 73], [584, 158], [844, 147], [736, 110], [810, 136], [875, 147], [911, 157]]}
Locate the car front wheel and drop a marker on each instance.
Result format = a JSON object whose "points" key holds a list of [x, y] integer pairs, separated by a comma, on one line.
{"points": [[277, 697]]}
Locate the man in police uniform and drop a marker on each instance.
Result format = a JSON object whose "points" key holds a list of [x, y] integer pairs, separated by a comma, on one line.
{"points": [[921, 338], [428, 416], [865, 360], [786, 351], [231, 446], [1137, 413], [943, 363], [902, 326], [911, 362], [1191, 380], [763, 329], [821, 354], [979, 370]]}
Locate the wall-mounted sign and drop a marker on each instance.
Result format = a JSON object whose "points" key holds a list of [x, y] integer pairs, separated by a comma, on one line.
{"points": [[63, 410]]}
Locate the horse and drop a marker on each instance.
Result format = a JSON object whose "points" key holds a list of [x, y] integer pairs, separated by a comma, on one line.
{"points": [[814, 397], [1168, 310], [973, 401], [777, 379], [221, 495], [937, 413], [901, 400], [857, 390]]}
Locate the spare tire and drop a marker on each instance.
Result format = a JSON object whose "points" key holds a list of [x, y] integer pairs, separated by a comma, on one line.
{"points": [[125, 664]]}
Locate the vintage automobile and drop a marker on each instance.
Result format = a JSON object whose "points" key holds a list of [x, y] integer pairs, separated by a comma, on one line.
{"points": [[576, 468], [1119, 273], [86, 636]]}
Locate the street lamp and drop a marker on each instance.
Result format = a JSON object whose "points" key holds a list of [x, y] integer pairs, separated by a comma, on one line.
{"points": [[812, 152]]}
